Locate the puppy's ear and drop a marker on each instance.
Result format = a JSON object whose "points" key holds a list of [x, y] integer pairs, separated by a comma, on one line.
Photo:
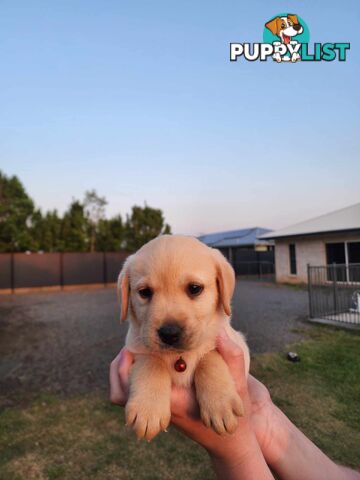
{"points": [[225, 277], [273, 25], [293, 18], [123, 288]]}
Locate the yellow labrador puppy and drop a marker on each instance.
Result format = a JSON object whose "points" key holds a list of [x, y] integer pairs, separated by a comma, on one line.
{"points": [[176, 293]]}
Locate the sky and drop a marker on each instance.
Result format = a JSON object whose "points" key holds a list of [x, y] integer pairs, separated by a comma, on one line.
{"points": [[139, 100]]}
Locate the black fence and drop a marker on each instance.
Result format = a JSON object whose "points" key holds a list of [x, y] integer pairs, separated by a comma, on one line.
{"points": [[334, 294], [255, 269], [253, 264], [22, 270]]}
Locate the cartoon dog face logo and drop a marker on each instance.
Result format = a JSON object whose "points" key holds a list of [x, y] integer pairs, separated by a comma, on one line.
{"points": [[285, 27]]}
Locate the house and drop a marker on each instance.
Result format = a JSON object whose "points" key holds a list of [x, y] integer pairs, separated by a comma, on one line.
{"points": [[248, 254], [330, 239], [245, 239]]}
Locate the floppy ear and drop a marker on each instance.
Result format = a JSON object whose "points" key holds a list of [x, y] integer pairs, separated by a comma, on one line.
{"points": [[225, 277], [293, 18], [273, 25], [123, 288]]}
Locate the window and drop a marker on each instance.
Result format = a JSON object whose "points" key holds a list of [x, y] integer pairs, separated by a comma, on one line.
{"points": [[292, 256], [346, 254], [354, 252], [335, 253], [354, 261]]}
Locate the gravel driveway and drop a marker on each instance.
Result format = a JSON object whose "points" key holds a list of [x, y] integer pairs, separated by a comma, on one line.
{"points": [[64, 341]]}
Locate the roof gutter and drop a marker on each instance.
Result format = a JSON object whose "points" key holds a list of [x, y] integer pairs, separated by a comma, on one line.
{"points": [[310, 234]]}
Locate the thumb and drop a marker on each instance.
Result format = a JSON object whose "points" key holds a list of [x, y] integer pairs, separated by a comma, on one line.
{"points": [[234, 358], [126, 361]]}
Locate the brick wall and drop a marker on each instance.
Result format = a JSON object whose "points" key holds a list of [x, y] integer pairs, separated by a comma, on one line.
{"points": [[309, 250]]}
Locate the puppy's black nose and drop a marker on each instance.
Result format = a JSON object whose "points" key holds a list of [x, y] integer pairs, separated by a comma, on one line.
{"points": [[170, 333], [297, 27]]}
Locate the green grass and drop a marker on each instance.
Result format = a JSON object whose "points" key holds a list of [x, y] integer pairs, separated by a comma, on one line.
{"points": [[321, 393], [84, 437]]}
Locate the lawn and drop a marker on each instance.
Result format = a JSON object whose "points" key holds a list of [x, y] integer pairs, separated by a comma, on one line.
{"points": [[83, 437]]}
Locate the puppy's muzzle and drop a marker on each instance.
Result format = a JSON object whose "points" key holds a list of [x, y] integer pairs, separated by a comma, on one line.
{"points": [[170, 334]]}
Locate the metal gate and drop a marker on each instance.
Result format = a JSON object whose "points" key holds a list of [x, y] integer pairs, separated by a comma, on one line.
{"points": [[252, 264], [334, 294]]}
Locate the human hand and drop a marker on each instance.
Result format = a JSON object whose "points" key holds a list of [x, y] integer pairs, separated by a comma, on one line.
{"points": [[257, 406], [185, 412], [283, 446]]}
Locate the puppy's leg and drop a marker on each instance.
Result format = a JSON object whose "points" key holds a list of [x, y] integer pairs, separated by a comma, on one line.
{"points": [[148, 407], [220, 404]]}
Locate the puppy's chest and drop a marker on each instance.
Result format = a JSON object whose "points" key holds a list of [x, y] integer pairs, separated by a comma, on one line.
{"points": [[182, 378]]}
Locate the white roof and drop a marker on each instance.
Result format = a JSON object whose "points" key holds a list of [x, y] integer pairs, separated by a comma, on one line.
{"points": [[345, 219]]}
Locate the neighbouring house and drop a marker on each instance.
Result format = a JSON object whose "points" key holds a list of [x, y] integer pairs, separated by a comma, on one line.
{"points": [[245, 239], [330, 239], [245, 251]]}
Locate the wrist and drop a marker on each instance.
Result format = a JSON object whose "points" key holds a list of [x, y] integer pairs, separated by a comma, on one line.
{"points": [[234, 449], [247, 461], [274, 439]]}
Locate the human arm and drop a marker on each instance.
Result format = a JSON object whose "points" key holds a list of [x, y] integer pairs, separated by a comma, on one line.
{"points": [[289, 453], [232, 459], [233, 456]]}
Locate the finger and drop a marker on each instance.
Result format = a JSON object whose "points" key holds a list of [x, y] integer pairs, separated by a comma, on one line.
{"points": [[234, 358], [124, 366], [117, 395], [184, 403]]}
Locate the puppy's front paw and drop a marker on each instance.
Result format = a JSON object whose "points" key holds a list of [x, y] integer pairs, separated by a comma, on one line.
{"points": [[147, 418], [220, 411]]}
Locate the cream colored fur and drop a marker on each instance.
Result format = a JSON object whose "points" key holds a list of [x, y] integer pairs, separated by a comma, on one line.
{"points": [[167, 265]]}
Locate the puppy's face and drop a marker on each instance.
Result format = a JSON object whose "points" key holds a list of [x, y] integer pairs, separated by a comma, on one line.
{"points": [[285, 27], [175, 288], [289, 27]]}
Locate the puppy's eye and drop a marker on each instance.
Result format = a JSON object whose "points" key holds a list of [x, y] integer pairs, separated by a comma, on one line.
{"points": [[194, 289], [145, 292], [282, 25]]}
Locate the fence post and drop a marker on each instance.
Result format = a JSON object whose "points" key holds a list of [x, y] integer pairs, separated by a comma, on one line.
{"points": [[12, 273], [61, 259], [309, 290], [104, 269], [335, 287]]}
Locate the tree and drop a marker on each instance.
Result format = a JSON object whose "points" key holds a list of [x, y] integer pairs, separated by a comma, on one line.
{"points": [[95, 211], [53, 231], [74, 230], [46, 231], [16, 209], [82, 228], [36, 229], [110, 235], [144, 224]]}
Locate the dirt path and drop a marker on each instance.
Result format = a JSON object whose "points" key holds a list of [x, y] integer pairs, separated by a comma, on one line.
{"points": [[64, 341]]}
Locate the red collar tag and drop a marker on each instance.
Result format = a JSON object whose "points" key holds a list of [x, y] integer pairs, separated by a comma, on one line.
{"points": [[180, 365]]}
